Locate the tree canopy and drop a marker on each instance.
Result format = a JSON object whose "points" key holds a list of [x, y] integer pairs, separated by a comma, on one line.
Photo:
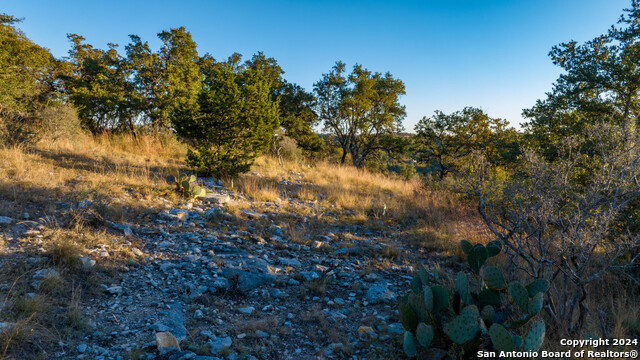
{"points": [[359, 109], [448, 139]]}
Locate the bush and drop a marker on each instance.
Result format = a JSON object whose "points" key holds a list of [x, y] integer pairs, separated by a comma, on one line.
{"points": [[54, 122], [57, 122]]}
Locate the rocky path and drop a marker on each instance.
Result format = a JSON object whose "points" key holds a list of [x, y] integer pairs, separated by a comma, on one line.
{"points": [[217, 282]]}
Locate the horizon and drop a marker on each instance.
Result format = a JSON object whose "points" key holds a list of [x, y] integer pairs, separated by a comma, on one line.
{"points": [[489, 56]]}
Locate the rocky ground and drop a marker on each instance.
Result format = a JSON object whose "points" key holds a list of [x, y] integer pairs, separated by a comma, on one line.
{"points": [[226, 277]]}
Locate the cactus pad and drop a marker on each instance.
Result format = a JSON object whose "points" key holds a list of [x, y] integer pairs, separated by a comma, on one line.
{"points": [[440, 298], [462, 285], [466, 246], [517, 342], [489, 297], [424, 334], [462, 329], [197, 191], [416, 284], [424, 276], [427, 294], [487, 313], [535, 337], [477, 257], [494, 278], [409, 345], [501, 338], [471, 310], [536, 303], [416, 301], [536, 286], [494, 248], [408, 317], [519, 295]]}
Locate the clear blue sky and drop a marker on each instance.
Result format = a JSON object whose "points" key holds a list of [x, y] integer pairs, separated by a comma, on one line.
{"points": [[450, 54]]}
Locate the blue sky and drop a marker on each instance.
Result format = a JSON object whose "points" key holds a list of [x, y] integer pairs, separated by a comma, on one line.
{"points": [[450, 54]]}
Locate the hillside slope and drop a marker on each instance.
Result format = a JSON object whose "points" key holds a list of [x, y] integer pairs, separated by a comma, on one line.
{"points": [[99, 254]]}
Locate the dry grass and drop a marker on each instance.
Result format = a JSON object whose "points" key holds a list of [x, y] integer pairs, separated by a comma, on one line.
{"points": [[435, 219], [97, 168]]}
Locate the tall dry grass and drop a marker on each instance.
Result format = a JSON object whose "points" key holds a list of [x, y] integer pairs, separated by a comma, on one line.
{"points": [[101, 166]]}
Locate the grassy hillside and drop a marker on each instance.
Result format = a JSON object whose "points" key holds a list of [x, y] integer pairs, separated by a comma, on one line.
{"points": [[67, 201]]}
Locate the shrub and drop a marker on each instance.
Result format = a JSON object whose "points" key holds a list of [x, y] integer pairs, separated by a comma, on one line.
{"points": [[458, 322]]}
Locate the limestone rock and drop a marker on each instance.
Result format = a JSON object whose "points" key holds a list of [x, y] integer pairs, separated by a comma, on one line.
{"points": [[166, 342]]}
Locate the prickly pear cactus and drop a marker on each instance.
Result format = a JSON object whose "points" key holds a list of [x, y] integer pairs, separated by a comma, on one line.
{"points": [[427, 295], [477, 257], [471, 310], [462, 329], [416, 301], [537, 286], [487, 314], [535, 337], [501, 338], [186, 185], [466, 246], [536, 303], [519, 295], [494, 248], [416, 284], [462, 285], [489, 297], [494, 278], [408, 317], [409, 344], [430, 310], [424, 334], [440, 298]]}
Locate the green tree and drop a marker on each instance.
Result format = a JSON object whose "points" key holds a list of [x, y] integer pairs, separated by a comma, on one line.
{"points": [[296, 115], [97, 84], [28, 83], [232, 121], [164, 80], [359, 109], [297, 118], [448, 139], [600, 82]]}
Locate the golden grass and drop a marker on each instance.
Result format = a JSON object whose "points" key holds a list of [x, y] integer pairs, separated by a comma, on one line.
{"points": [[103, 167], [436, 219]]}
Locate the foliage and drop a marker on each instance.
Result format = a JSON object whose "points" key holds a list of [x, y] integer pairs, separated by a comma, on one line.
{"points": [[359, 109], [408, 171], [28, 83], [165, 80], [233, 120], [97, 84], [601, 82], [298, 118], [186, 185], [558, 220], [448, 140], [458, 322]]}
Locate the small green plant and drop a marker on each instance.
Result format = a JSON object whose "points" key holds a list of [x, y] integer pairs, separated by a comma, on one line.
{"points": [[489, 316], [186, 185]]}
